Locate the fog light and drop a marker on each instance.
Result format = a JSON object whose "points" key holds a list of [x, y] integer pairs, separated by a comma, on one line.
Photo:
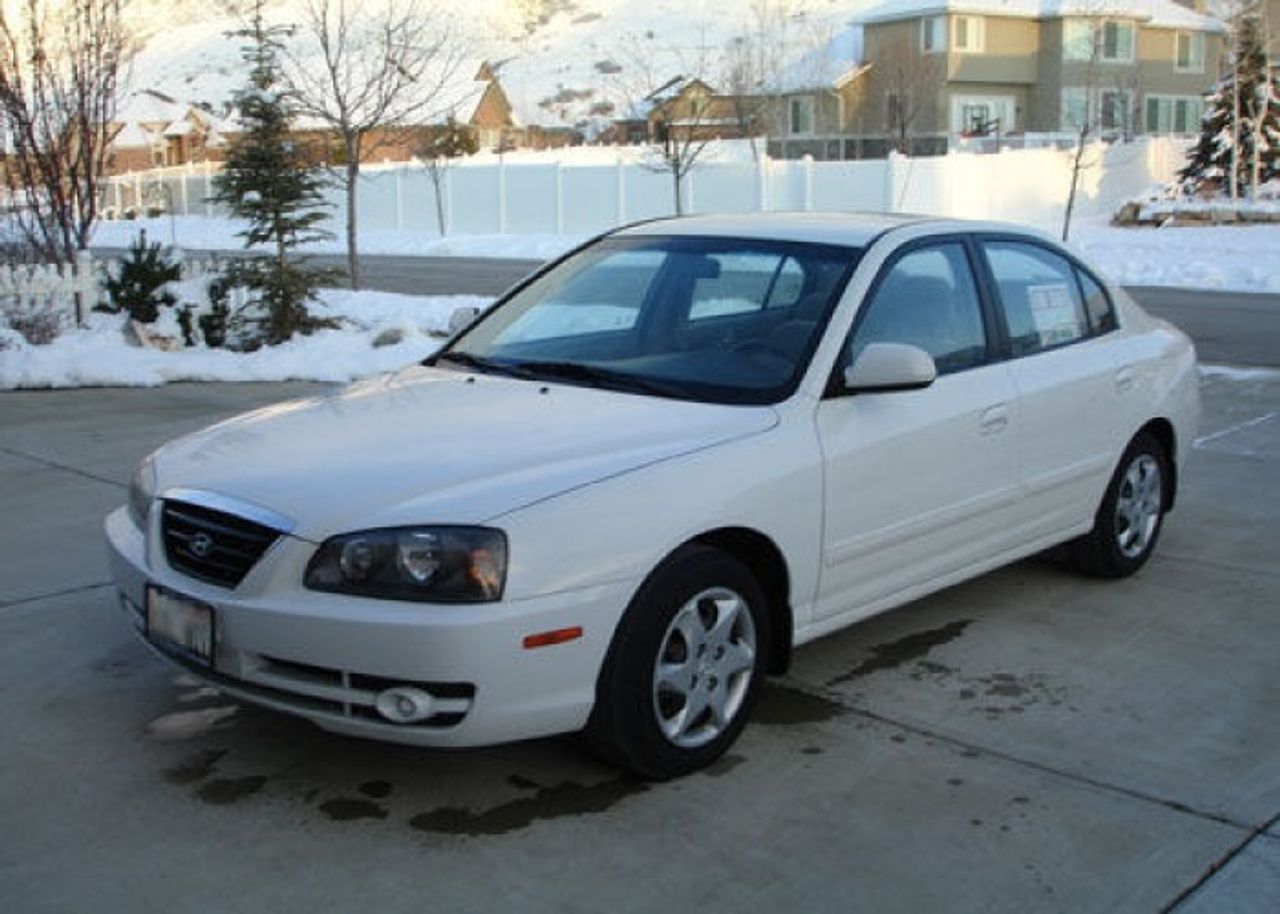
{"points": [[404, 705]]}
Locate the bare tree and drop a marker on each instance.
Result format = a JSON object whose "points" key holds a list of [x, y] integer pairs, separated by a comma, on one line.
{"points": [[363, 70], [770, 43], [910, 83], [680, 137], [437, 152], [682, 113], [60, 67], [744, 84], [1084, 121]]}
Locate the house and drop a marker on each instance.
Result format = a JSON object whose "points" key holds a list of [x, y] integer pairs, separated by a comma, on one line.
{"points": [[815, 109], [684, 109], [152, 130], [477, 102], [1270, 12], [931, 71]]}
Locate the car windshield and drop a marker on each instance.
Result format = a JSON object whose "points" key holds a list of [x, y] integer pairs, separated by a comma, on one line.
{"points": [[714, 319]]}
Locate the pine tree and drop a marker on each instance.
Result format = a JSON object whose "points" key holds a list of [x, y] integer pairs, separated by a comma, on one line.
{"points": [[266, 181], [1227, 146]]}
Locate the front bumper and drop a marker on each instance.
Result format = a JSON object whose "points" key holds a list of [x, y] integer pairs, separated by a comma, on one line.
{"points": [[326, 657]]}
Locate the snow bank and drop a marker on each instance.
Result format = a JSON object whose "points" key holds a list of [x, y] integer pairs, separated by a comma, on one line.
{"points": [[98, 356], [1231, 258]]}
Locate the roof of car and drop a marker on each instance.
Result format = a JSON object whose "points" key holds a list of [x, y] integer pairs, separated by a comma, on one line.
{"points": [[847, 229]]}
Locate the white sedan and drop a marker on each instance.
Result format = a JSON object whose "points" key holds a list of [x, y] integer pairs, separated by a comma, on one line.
{"points": [[627, 491]]}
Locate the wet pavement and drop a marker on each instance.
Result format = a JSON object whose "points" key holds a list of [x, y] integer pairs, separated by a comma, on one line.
{"points": [[1029, 740]]}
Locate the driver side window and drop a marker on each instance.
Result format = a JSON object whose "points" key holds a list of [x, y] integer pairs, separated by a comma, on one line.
{"points": [[927, 299]]}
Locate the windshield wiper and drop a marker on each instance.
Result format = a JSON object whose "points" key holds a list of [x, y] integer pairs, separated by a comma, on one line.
{"points": [[591, 375], [479, 363]]}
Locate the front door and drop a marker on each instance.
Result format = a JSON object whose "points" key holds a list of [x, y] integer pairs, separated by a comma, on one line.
{"points": [[918, 484]]}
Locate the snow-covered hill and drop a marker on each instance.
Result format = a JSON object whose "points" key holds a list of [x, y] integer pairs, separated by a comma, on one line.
{"points": [[563, 62]]}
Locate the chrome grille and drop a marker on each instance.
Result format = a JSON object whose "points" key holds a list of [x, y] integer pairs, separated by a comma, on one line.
{"points": [[211, 545]]}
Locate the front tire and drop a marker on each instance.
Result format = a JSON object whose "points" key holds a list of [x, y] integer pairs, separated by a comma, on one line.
{"points": [[1128, 522], [684, 668]]}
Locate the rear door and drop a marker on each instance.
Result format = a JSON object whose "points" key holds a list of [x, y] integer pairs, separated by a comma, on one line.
{"points": [[1072, 378]]}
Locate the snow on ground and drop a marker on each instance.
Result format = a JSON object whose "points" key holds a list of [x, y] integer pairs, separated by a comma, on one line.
{"points": [[1236, 373], [98, 354], [1230, 258], [196, 233], [1226, 257]]}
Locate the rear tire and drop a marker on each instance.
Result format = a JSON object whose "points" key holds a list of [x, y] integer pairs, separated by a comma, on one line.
{"points": [[684, 667], [1127, 525]]}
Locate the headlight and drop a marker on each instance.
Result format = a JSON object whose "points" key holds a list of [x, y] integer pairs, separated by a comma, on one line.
{"points": [[142, 488], [424, 564]]}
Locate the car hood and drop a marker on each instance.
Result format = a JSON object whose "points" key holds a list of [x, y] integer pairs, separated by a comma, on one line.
{"points": [[434, 446]]}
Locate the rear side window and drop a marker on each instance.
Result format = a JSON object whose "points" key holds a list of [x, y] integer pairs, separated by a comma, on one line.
{"points": [[1039, 295], [928, 299], [1097, 303]]}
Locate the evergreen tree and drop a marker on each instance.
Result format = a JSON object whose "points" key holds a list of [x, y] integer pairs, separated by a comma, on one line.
{"points": [[1227, 146], [266, 181]]}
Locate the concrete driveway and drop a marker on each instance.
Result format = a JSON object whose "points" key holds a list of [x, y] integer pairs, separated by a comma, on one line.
{"points": [[1029, 741]]}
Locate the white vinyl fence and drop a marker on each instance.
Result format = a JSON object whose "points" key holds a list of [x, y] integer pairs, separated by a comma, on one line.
{"points": [[487, 195]]}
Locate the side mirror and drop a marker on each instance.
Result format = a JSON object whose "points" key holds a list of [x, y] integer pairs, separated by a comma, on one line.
{"points": [[884, 367], [461, 319]]}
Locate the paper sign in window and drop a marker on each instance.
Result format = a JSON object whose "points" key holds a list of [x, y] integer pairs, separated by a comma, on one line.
{"points": [[1053, 311]]}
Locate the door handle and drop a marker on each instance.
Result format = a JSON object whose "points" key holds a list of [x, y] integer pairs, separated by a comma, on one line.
{"points": [[995, 419], [1125, 378]]}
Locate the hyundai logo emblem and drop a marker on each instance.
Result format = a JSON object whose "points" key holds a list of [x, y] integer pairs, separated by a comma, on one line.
{"points": [[201, 545]]}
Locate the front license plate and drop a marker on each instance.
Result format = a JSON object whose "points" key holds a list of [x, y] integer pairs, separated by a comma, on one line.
{"points": [[175, 621]]}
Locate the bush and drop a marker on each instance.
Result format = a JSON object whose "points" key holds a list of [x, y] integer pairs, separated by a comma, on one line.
{"points": [[139, 288], [38, 326], [213, 325]]}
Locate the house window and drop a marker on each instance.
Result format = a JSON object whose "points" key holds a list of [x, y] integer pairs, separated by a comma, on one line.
{"points": [[975, 117], [1077, 39], [1075, 108], [1173, 114], [933, 34], [1117, 41], [802, 115], [983, 114], [1111, 40], [969, 34], [1115, 110], [1190, 52]]}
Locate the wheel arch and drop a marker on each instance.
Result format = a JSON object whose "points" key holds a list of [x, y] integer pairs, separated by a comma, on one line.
{"points": [[765, 560], [1162, 431]]}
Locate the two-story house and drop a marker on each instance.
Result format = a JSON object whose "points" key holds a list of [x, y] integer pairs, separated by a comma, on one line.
{"points": [[934, 70], [1023, 65]]}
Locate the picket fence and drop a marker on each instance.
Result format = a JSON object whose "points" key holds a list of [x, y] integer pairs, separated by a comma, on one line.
{"points": [[41, 293]]}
